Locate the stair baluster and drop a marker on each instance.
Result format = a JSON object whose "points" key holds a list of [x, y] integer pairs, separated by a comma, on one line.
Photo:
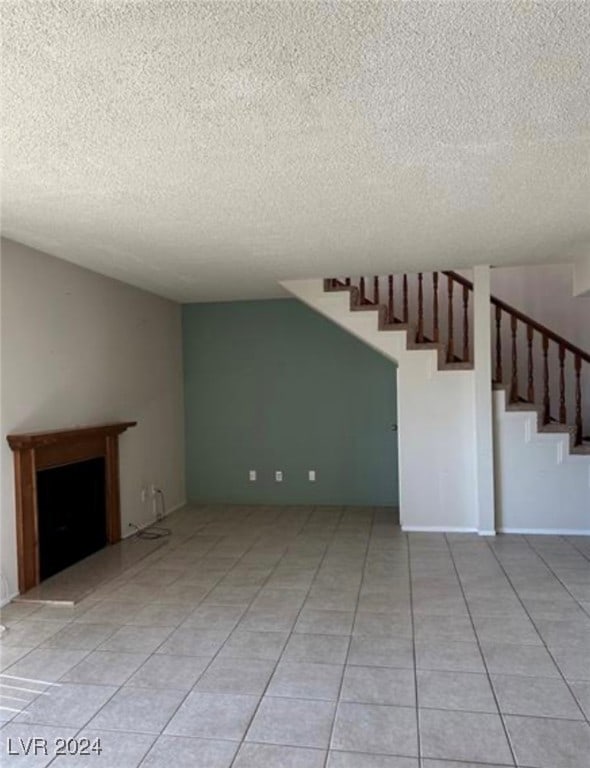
{"points": [[420, 334], [451, 341], [531, 377], [362, 296], [499, 371], [376, 290], [465, 323], [405, 298], [546, 396], [562, 408], [514, 382], [435, 328], [579, 426], [390, 314]]}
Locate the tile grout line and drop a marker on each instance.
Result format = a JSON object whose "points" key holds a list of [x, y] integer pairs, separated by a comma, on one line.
{"points": [[254, 543], [291, 632], [119, 687], [582, 552], [414, 655], [555, 576], [73, 622], [330, 540], [49, 684], [219, 539], [350, 638], [485, 664], [563, 677]]}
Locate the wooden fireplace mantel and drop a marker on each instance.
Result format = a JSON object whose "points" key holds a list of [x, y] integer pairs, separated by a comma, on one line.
{"points": [[41, 450]]}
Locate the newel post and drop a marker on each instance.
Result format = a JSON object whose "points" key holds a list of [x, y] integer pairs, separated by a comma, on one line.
{"points": [[484, 435]]}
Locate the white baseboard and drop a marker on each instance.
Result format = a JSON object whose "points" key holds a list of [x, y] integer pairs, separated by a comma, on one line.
{"points": [[547, 531], [487, 533], [7, 600], [436, 529]]}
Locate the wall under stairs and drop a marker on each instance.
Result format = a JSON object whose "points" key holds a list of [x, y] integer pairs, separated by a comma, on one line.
{"points": [[435, 418], [539, 486]]}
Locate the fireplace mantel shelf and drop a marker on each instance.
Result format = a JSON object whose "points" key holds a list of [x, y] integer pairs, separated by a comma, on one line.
{"points": [[27, 440], [36, 451]]}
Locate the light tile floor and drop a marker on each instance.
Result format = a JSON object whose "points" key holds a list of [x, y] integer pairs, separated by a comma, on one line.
{"points": [[312, 638]]}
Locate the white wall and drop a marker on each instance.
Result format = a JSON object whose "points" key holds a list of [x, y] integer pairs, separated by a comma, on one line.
{"points": [[540, 486], [581, 276], [80, 349], [436, 417]]}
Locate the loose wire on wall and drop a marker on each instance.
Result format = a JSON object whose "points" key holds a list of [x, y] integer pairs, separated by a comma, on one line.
{"points": [[155, 531]]}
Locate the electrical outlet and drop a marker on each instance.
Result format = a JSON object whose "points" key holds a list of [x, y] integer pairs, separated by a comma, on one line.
{"points": [[252, 475], [279, 476], [311, 475]]}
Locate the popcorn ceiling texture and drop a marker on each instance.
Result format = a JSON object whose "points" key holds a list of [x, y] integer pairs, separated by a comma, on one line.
{"points": [[205, 150]]}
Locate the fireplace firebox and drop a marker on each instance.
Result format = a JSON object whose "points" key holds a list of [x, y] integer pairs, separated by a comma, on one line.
{"points": [[71, 514]]}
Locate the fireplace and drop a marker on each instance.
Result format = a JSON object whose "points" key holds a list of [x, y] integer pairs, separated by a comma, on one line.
{"points": [[67, 497]]}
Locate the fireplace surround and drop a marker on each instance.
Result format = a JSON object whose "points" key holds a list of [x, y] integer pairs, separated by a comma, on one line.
{"points": [[35, 452]]}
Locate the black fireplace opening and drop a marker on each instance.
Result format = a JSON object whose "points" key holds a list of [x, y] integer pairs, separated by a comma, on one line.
{"points": [[71, 504]]}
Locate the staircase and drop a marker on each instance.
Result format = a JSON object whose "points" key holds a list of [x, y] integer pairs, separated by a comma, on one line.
{"points": [[443, 332], [541, 444]]}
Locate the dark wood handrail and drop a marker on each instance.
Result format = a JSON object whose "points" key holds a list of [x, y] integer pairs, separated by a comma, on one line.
{"points": [[524, 318]]}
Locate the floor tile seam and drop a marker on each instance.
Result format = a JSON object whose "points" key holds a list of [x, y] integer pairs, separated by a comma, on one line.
{"points": [[414, 652], [329, 751], [214, 657], [328, 542], [115, 628], [108, 581], [370, 534], [442, 760], [77, 735], [485, 664], [555, 576], [128, 600], [572, 544], [48, 683], [332, 700], [20, 711], [254, 542], [547, 649], [118, 688]]}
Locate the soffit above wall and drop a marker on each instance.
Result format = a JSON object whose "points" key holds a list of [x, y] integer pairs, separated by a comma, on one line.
{"points": [[206, 150]]}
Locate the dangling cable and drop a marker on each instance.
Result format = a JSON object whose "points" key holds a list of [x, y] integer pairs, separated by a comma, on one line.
{"points": [[155, 531]]}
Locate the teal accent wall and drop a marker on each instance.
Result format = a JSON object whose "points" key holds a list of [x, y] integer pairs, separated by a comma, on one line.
{"points": [[273, 385]]}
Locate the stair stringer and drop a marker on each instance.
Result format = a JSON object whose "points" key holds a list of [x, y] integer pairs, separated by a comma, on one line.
{"points": [[540, 487], [436, 417]]}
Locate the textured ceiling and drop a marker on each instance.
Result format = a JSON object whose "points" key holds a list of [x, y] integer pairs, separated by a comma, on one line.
{"points": [[205, 150]]}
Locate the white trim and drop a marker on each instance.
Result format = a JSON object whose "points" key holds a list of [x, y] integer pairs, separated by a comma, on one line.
{"points": [[548, 531], [436, 529], [487, 533]]}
